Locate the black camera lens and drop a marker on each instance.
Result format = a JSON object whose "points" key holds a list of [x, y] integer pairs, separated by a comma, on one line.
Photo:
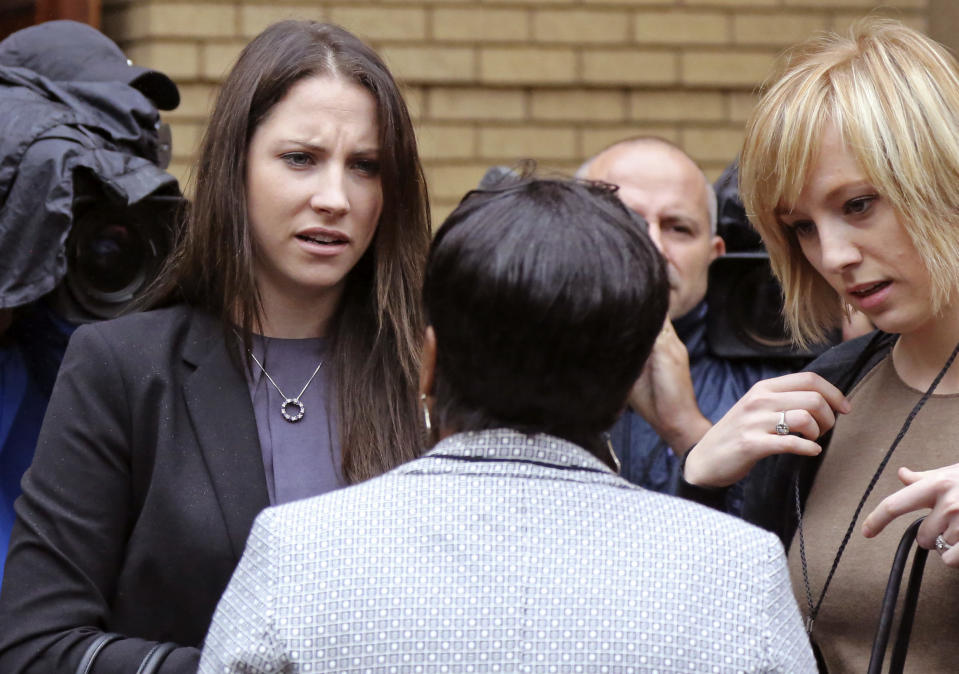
{"points": [[113, 252], [757, 311], [110, 258]]}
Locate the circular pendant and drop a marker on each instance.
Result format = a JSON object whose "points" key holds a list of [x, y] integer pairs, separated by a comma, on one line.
{"points": [[292, 418]]}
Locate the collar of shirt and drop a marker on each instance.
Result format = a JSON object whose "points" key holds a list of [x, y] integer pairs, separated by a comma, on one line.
{"points": [[510, 452]]}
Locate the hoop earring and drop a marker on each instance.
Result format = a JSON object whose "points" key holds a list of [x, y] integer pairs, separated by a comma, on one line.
{"points": [[426, 414], [609, 445]]}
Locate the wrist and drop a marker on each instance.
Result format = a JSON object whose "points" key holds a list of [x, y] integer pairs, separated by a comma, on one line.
{"points": [[683, 432]]}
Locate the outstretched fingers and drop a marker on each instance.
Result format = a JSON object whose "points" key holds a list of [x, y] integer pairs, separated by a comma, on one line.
{"points": [[937, 490]]}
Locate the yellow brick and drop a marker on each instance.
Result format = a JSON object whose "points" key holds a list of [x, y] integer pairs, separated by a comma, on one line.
{"points": [[634, 3], [587, 105], [832, 4], [431, 64], [729, 68], [451, 181], [776, 29], [713, 169], [381, 23], [629, 66], [186, 138], [712, 144], [541, 2], [180, 169], [681, 27], [842, 21], [196, 101], [219, 57], [521, 142], [668, 106], [415, 101], [529, 66], [446, 141], [180, 20], [740, 3], [480, 25], [741, 104], [564, 169], [471, 103], [595, 138], [440, 210], [579, 26], [178, 60], [254, 18]]}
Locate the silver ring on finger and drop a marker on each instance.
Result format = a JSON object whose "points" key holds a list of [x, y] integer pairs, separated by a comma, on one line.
{"points": [[941, 545], [782, 428]]}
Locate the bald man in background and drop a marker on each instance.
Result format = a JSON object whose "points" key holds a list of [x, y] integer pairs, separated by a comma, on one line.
{"points": [[684, 388]]}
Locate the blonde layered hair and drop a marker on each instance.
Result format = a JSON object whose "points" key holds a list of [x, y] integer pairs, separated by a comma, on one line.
{"points": [[893, 95]]}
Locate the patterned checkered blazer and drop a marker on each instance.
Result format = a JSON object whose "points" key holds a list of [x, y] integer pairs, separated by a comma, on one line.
{"points": [[501, 552]]}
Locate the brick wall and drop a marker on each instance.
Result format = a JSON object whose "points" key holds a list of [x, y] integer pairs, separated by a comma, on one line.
{"points": [[492, 82]]}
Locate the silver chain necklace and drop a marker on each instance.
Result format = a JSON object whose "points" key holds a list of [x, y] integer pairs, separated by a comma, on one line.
{"points": [[287, 401]]}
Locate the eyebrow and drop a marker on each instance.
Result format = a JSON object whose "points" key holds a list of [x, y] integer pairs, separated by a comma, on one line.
{"points": [[313, 147], [832, 194], [684, 218]]}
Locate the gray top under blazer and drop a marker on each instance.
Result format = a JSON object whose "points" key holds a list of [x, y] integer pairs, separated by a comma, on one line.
{"points": [[502, 552]]}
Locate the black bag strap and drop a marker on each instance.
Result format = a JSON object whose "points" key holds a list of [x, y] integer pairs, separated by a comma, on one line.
{"points": [[155, 657], [93, 650], [888, 610]]}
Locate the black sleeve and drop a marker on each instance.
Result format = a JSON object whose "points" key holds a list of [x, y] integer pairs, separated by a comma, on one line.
{"points": [[714, 497], [73, 520]]}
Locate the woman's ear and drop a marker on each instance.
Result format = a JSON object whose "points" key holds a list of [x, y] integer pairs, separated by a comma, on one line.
{"points": [[428, 362]]}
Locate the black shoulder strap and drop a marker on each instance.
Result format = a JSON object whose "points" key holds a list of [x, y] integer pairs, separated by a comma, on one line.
{"points": [[155, 657], [93, 650]]}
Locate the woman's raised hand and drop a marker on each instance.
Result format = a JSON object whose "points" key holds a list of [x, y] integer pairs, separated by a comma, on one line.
{"points": [[776, 416]]}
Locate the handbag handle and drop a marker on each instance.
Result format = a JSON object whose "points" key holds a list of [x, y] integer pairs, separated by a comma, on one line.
{"points": [[150, 664], [888, 610], [93, 650]]}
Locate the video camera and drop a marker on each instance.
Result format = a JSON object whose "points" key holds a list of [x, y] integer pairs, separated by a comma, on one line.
{"points": [[744, 297], [114, 251]]}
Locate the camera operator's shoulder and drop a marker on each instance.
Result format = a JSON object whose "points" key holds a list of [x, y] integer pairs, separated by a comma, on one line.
{"points": [[847, 362]]}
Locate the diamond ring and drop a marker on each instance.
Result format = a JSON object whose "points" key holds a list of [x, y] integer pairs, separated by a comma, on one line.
{"points": [[782, 428]]}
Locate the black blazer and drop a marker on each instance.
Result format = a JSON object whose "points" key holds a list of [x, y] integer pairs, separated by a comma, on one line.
{"points": [[146, 480]]}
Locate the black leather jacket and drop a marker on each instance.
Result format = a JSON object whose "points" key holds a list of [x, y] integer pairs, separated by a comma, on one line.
{"points": [[769, 500]]}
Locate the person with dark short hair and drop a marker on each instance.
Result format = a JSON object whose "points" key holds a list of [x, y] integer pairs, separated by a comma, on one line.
{"points": [[513, 544]]}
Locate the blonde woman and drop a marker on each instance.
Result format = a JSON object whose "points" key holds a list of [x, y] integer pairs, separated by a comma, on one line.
{"points": [[850, 172]]}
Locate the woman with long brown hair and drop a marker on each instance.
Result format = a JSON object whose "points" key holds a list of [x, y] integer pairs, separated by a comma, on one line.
{"points": [[278, 362]]}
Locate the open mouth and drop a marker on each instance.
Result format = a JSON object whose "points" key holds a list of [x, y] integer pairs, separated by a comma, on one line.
{"points": [[869, 290], [322, 239]]}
